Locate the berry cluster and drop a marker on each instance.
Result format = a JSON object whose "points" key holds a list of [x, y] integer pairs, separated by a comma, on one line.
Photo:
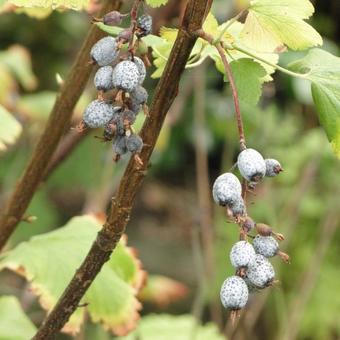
{"points": [[119, 80], [253, 269]]}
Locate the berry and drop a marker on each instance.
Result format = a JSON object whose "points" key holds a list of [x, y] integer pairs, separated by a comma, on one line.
{"points": [[129, 115], [251, 165], [141, 69], [139, 95], [260, 272], [242, 253], [234, 293], [273, 167], [265, 245], [125, 36], [134, 143], [237, 207], [113, 18], [98, 113], [268, 247], [266, 230], [103, 78], [104, 51], [119, 146], [227, 189], [134, 107], [144, 25], [125, 76]]}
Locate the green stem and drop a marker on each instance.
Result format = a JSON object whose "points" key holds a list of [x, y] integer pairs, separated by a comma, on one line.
{"points": [[225, 28], [255, 56]]}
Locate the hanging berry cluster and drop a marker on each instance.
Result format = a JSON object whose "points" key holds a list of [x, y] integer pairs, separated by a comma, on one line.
{"points": [[119, 80], [254, 272]]}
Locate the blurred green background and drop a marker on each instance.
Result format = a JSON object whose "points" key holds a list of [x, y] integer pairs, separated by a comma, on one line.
{"points": [[174, 227]]}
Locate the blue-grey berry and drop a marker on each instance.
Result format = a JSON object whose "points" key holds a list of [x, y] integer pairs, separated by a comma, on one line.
{"points": [[260, 272], [134, 143], [251, 165], [103, 78], [125, 76], [119, 145], [144, 25], [273, 167], [141, 69], [129, 116], [139, 95], [98, 113], [268, 247], [242, 253], [104, 51], [234, 293], [227, 189], [237, 207]]}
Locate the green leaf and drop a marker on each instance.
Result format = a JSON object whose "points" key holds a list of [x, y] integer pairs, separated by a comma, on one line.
{"points": [[10, 129], [248, 76], [156, 3], [49, 261], [53, 4], [323, 70], [169, 327], [18, 61], [14, 324], [270, 24]]}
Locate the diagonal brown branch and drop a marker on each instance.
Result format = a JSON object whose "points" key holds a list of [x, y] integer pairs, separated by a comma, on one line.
{"points": [[118, 217], [57, 123]]}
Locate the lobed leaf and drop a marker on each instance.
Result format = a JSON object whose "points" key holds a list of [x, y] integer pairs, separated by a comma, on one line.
{"points": [[49, 261], [272, 23], [53, 4], [323, 70], [14, 324]]}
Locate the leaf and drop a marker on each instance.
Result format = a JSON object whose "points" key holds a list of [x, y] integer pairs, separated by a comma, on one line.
{"points": [[18, 61], [169, 327], [323, 70], [156, 3], [35, 12], [10, 129], [54, 4], [248, 76], [163, 291], [49, 261], [14, 324], [272, 23]]}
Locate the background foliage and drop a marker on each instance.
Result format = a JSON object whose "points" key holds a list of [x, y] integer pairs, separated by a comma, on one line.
{"points": [[302, 203]]}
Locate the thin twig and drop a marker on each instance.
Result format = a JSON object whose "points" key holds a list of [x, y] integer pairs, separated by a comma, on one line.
{"points": [[121, 206], [133, 16], [58, 122], [230, 76]]}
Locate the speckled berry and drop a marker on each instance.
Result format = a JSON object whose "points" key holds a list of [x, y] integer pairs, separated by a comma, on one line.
{"points": [[265, 245], [237, 207], [251, 165], [103, 78], [125, 76], [273, 167], [128, 116], [248, 224], [134, 143], [119, 145], [139, 95], [260, 272], [227, 189], [234, 293], [268, 247], [144, 25], [242, 253], [104, 51], [98, 113], [141, 69]]}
